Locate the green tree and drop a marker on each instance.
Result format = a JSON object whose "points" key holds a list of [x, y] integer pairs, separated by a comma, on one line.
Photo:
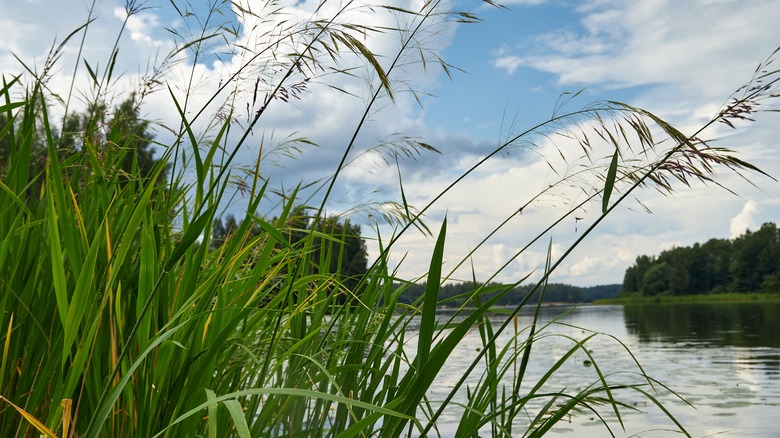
{"points": [[337, 246], [749, 263], [630, 280], [699, 271], [719, 253], [633, 281], [751, 260], [222, 231], [119, 137], [345, 251], [656, 279], [768, 256], [678, 261], [121, 133], [770, 284]]}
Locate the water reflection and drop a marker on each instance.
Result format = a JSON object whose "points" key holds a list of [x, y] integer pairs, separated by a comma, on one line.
{"points": [[722, 358], [707, 325], [743, 337]]}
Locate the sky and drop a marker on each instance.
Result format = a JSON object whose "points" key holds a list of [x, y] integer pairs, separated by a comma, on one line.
{"points": [[507, 73]]}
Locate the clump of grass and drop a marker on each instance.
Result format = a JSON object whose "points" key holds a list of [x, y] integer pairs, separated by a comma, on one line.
{"points": [[119, 318]]}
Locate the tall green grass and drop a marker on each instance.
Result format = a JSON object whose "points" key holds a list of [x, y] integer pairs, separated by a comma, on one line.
{"points": [[119, 318]]}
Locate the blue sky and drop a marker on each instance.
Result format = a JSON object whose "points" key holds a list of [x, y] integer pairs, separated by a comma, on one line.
{"points": [[680, 60]]}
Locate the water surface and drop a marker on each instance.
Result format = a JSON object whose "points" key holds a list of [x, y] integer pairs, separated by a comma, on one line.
{"points": [[724, 359]]}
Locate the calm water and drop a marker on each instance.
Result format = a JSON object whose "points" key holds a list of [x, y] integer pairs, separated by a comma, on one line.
{"points": [[722, 358]]}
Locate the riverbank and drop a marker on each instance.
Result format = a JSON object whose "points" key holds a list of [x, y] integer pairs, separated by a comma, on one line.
{"points": [[685, 299]]}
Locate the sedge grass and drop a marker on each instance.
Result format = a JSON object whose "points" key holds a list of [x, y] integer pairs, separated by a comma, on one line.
{"points": [[119, 318]]}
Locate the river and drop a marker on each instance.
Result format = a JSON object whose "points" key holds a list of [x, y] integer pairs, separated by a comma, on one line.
{"points": [[724, 359]]}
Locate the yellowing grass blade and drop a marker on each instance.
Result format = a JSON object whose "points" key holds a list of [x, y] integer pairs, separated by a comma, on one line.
{"points": [[79, 217], [5, 349], [30, 419], [67, 405]]}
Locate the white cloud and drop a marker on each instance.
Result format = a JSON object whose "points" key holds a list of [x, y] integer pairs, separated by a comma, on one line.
{"points": [[687, 57], [623, 44], [140, 26], [744, 220], [521, 2], [321, 110], [510, 63]]}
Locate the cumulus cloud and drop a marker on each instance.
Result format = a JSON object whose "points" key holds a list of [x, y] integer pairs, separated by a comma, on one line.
{"points": [[625, 44], [326, 112], [681, 72], [615, 44], [140, 26], [745, 220]]}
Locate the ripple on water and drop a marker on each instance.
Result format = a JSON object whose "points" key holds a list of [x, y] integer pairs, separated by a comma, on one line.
{"points": [[731, 404], [706, 383], [736, 392]]}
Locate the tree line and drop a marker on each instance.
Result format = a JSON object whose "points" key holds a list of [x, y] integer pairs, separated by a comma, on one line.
{"points": [[748, 263], [456, 294], [336, 245]]}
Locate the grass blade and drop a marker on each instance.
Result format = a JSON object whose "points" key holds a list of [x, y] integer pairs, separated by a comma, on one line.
{"points": [[212, 410], [239, 420], [430, 300], [609, 183], [6, 345], [31, 419]]}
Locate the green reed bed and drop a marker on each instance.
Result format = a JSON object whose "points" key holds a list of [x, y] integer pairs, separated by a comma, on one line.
{"points": [[121, 316], [701, 298]]}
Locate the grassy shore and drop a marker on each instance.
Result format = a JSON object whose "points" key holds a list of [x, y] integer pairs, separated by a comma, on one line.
{"points": [[687, 299]]}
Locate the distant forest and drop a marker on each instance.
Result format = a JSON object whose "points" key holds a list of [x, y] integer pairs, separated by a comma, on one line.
{"points": [[747, 264], [455, 294]]}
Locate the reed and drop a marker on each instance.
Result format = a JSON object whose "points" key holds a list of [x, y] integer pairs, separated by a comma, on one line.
{"points": [[119, 317]]}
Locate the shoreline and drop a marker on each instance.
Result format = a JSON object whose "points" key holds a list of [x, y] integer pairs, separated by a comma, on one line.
{"points": [[692, 299]]}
